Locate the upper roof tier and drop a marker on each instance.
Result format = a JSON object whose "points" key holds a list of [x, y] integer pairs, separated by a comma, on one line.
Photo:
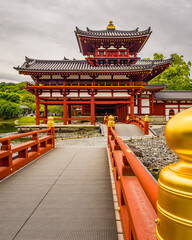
{"points": [[90, 40]]}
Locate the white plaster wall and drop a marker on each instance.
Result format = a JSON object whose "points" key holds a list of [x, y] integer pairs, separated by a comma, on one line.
{"points": [[135, 110], [172, 106], [57, 77], [73, 77], [57, 95], [104, 77], [116, 77], [84, 94], [86, 77], [145, 102], [45, 77], [73, 94], [45, 95], [145, 110], [120, 94], [103, 94], [185, 106]]}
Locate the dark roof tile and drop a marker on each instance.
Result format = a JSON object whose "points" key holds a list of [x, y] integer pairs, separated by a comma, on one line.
{"points": [[112, 33], [173, 95], [83, 65]]}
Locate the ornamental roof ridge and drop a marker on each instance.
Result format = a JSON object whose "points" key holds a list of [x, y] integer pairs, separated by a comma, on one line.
{"points": [[28, 60], [155, 62], [113, 32], [107, 30]]}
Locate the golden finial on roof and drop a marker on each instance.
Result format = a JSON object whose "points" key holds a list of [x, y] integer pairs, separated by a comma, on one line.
{"points": [[111, 26]]}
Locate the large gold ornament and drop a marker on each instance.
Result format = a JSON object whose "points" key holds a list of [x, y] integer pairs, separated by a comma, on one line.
{"points": [[175, 182]]}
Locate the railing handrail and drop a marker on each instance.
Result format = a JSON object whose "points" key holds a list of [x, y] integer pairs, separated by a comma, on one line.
{"points": [[23, 135], [148, 183], [143, 124], [13, 158]]}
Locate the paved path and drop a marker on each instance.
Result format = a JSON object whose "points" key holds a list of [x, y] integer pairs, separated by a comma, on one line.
{"points": [[66, 194], [125, 130]]}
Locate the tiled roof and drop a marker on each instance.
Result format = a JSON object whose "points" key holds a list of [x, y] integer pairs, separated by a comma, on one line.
{"points": [[155, 87], [84, 66], [113, 33], [173, 95]]}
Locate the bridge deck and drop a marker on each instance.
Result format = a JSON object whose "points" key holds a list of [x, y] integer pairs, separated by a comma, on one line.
{"points": [[66, 194]]}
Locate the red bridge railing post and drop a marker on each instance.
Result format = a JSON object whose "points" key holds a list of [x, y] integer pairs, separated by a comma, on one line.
{"points": [[146, 125]]}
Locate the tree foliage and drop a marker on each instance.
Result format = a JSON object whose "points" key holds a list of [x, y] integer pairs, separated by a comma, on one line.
{"points": [[176, 76], [9, 109]]}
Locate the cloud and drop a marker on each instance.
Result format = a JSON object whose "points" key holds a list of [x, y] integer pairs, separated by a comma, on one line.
{"points": [[44, 29]]}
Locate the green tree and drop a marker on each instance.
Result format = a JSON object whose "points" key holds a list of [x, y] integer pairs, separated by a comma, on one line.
{"points": [[9, 109], [176, 76]]}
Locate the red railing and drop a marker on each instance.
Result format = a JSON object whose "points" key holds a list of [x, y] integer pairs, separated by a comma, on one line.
{"points": [[143, 124], [14, 157], [137, 191]]}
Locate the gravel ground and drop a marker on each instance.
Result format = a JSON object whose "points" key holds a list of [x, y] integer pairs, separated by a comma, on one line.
{"points": [[154, 153]]}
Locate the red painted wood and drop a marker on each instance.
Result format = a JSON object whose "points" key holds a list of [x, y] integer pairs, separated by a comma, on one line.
{"points": [[45, 114], [146, 180], [64, 110], [69, 114], [37, 112], [37, 146], [132, 105], [136, 191], [92, 110], [159, 109]]}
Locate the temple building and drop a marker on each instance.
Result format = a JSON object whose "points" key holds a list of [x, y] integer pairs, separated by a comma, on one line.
{"points": [[111, 80]]}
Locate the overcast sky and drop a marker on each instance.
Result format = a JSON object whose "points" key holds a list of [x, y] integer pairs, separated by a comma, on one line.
{"points": [[44, 29]]}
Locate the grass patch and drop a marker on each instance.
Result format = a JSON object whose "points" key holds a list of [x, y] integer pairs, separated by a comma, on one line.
{"points": [[26, 120], [12, 120]]}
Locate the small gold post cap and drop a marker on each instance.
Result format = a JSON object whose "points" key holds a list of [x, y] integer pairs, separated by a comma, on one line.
{"points": [[146, 118], [50, 122], [111, 122]]}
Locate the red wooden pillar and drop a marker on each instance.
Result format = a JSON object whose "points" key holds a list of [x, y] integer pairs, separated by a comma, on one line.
{"points": [[69, 113], [132, 105], [139, 103], [116, 111], [37, 110], [92, 110], [82, 110], [125, 112], [123, 108], [179, 107], [152, 103], [127, 109], [64, 110], [120, 113], [45, 113], [75, 111]]}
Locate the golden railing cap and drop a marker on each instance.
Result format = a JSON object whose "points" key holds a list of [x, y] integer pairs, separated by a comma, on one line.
{"points": [[50, 122], [146, 118], [178, 132], [111, 122]]}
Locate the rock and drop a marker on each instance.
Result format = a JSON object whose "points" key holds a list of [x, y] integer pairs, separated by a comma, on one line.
{"points": [[147, 163]]}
